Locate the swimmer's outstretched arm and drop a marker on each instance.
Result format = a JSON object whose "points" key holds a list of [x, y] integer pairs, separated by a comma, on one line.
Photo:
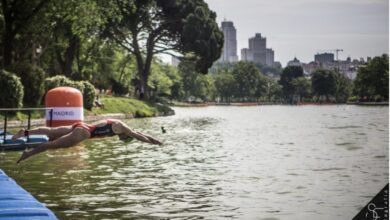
{"points": [[121, 128], [142, 137]]}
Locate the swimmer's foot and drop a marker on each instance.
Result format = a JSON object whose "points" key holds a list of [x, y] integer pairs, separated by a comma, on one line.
{"points": [[19, 134], [25, 155]]}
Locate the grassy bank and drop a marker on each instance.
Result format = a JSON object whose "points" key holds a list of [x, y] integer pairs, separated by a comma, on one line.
{"points": [[130, 106], [112, 105]]}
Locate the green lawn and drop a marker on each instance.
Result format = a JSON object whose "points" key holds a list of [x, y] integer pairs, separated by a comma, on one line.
{"points": [[112, 104], [129, 106]]}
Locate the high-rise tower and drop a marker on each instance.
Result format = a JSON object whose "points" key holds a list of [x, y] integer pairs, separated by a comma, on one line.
{"points": [[229, 52], [258, 51]]}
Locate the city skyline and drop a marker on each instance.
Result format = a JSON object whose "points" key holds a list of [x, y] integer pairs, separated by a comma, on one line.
{"points": [[304, 28]]}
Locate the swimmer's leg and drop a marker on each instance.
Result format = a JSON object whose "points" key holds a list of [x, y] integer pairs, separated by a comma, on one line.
{"points": [[76, 136], [52, 133], [120, 128]]}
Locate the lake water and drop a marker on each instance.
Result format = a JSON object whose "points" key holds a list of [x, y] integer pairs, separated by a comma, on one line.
{"points": [[263, 162]]}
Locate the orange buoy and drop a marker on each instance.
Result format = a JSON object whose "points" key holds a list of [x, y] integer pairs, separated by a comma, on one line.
{"points": [[67, 105]]}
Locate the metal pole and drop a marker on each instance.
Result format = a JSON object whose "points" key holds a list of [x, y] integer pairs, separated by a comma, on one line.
{"points": [[51, 117], [5, 127], [28, 125]]}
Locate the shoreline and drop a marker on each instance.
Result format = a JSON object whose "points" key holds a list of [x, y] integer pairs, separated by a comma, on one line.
{"points": [[92, 118], [114, 107], [184, 104], [88, 118], [369, 103]]}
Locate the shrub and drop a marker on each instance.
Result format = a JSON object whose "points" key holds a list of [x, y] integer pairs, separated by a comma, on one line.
{"points": [[353, 99], [88, 95], [85, 87], [32, 79], [11, 90], [118, 88], [56, 81], [76, 84]]}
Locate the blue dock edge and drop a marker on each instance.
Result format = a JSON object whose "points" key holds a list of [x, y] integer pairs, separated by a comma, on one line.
{"points": [[17, 204]]}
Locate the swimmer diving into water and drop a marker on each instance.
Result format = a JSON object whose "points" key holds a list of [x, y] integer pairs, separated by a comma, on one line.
{"points": [[68, 136]]}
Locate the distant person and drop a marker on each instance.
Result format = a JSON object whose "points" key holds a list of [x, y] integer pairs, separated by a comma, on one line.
{"points": [[98, 102], [142, 92], [68, 136]]}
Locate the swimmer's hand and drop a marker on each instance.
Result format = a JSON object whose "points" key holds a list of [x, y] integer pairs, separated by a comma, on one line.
{"points": [[154, 141]]}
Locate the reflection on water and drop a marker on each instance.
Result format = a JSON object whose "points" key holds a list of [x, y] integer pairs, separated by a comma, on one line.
{"points": [[267, 162]]}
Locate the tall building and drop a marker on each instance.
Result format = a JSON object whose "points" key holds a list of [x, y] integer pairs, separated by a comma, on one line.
{"points": [[324, 58], [269, 57], [229, 51], [257, 45], [294, 62], [258, 51], [246, 54]]}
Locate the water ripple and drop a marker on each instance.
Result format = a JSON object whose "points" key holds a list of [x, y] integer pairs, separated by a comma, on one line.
{"points": [[267, 162]]}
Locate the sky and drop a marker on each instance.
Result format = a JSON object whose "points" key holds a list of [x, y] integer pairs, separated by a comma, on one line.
{"points": [[302, 28]]}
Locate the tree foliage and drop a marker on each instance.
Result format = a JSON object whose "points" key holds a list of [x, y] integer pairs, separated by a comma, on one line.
{"points": [[85, 87], [146, 28], [344, 88], [225, 85], [274, 91], [248, 79], [372, 81], [286, 80], [302, 88], [32, 78], [115, 44], [330, 84], [17, 17], [324, 83], [11, 90]]}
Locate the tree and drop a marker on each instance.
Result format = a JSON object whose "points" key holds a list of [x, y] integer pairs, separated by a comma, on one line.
{"points": [[286, 80], [148, 27], [274, 90], [248, 78], [195, 85], [32, 78], [372, 80], [176, 87], [261, 87], [11, 90], [17, 15], [301, 87], [75, 28], [204, 87], [324, 83], [343, 89], [225, 86], [188, 74], [159, 82], [269, 70]]}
